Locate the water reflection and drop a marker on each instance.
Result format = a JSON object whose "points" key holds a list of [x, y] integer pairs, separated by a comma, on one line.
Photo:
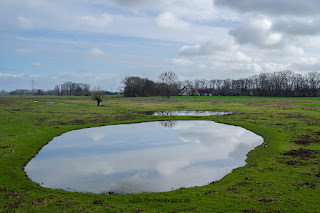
{"points": [[168, 124], [144, 157], [47, 102], [183, 113]]}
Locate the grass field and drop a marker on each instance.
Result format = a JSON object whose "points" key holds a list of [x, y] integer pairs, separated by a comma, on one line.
{"points": [[282, 177]]}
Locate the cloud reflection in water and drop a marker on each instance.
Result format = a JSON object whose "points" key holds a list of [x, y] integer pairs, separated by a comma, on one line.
{"points": [[144, 157]]}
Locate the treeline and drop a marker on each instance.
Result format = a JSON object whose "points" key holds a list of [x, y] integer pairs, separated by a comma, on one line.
{"points": [[70, 88], [67, 88], [26, 92], [282, 84], [142, 87]]}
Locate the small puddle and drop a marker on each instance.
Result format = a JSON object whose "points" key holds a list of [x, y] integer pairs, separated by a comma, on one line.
{"points": [[47, 102], [144, 157], [183, 113]]}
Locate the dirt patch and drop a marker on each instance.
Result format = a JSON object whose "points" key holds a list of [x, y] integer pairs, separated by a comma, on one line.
{"points": [[280, 101], [78, 122], [295, 163], [15, 194], [306, 140], [307, 185], [270, 105], [302, 153], [39, 202], [16, 204], [233, 189], [209, 192], [98, 202], [243, 183], [7, 102], [269, 200], [67, 202], [73, 122], [271, 169], [15, 110], [250, 211], [181, 107], [213, 182], [3, 189]]}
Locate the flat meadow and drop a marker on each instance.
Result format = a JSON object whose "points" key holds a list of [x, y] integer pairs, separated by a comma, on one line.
{"points": [[283, 176]]}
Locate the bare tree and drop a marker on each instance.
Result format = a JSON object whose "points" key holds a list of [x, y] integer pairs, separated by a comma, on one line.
{"points": [[168, 81], [313, 79]]}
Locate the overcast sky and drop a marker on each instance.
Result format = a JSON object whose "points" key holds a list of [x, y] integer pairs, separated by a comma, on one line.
{"points": [[102, 41]]}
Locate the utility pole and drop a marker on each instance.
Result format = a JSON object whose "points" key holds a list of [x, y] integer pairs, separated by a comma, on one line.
{"points": [[33, 85]]}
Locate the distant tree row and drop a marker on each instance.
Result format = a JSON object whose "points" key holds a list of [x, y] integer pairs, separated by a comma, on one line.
{"points": [[67, 88], [142, 87], [71, 88], [284, 83]]}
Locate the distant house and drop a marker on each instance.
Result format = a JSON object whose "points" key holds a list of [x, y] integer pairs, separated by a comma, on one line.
{"points": [[203, 92], [186, 91], [111, 93], [230, 92]]}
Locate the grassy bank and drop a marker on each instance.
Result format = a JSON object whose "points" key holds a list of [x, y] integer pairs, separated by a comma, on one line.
{"points": [[284, 176]]}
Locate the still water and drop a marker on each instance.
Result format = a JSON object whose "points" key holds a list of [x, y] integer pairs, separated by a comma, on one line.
{"points": [[183, 113], [143, 157]]}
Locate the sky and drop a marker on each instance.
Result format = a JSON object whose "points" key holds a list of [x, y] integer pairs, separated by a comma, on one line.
{"points": [[101, 42]]}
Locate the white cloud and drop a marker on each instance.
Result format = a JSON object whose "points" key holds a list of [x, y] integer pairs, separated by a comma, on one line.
{"points": [[37, 64], [168, 20], [256, 31], [274, 7], [202, 66], [306, 63], [297, 26], [207, 48], [181, 62], [12, 75], [70, 17], [240, 56], [101, 21], [191, 10], [96, 52], [25, 23], [136, 5]]}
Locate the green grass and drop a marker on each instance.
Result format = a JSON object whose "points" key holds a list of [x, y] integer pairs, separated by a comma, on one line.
{"points": [[275, 179]]}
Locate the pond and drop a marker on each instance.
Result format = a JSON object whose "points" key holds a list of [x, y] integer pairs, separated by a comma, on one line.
{"points": [[143, 157], [183, 113]]}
